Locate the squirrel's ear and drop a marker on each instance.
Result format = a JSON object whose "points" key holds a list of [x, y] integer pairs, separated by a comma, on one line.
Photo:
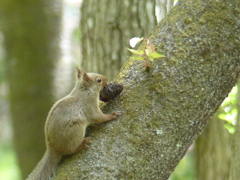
{"points": [[79, 73], [86, 80], [86, 77]]}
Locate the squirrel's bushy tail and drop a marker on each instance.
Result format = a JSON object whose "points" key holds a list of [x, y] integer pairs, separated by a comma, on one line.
{"points": [[46, 168]]}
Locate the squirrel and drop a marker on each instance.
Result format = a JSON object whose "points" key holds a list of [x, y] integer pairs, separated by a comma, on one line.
{"points": [[67, 121]]}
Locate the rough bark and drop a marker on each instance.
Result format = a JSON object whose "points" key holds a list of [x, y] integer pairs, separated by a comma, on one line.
{"points": [[107, 26], [214, 151], [166, 108], [31, 38]]}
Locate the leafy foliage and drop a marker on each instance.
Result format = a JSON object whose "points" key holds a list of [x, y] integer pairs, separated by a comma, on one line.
{"points": [[148, 54], [229, 110]]}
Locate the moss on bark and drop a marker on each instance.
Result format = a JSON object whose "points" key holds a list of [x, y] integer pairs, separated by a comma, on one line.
{"points": [[165, 109]]}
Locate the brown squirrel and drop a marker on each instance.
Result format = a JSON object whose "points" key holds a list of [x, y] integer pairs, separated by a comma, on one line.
{"points": [[67, 121]]}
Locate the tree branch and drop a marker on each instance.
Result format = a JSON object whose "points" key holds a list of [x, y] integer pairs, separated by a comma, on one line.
{"points": [[165, 109]]}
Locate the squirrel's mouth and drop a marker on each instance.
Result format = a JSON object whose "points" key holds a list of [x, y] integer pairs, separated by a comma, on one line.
{"points": [[103, 85]]}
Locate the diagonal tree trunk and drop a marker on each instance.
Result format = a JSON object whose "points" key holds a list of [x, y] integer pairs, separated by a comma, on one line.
{"points": [[166, 108]]}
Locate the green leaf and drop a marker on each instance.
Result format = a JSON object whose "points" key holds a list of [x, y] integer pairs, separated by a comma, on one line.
{"points": [[138, 52], [151, 59], [138, 57], [155, 55], [231, 129]]}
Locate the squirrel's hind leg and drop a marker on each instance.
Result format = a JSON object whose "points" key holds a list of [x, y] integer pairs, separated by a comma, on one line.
{"points": [[84, 144]]}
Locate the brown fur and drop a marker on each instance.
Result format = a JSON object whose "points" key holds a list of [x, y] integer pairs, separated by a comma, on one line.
{"points": [[67, 121]]}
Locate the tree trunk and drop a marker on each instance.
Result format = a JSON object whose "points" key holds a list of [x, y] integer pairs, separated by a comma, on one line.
{"points": [[107, 26], [31, 38], [213, 151], [164, 6], [166, 108]]}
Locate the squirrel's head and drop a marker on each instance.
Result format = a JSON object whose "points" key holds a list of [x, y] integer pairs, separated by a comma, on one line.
{"points": [[92, 81]]}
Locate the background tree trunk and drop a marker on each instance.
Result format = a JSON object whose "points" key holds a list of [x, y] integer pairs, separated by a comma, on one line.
{"points": [[166, 108], [106, 28], [31, 37], [235, 160], [164, 6], [213, 151]]}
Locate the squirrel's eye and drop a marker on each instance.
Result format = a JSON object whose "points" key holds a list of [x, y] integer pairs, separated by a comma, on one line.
{"points": [[99, 80]]}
